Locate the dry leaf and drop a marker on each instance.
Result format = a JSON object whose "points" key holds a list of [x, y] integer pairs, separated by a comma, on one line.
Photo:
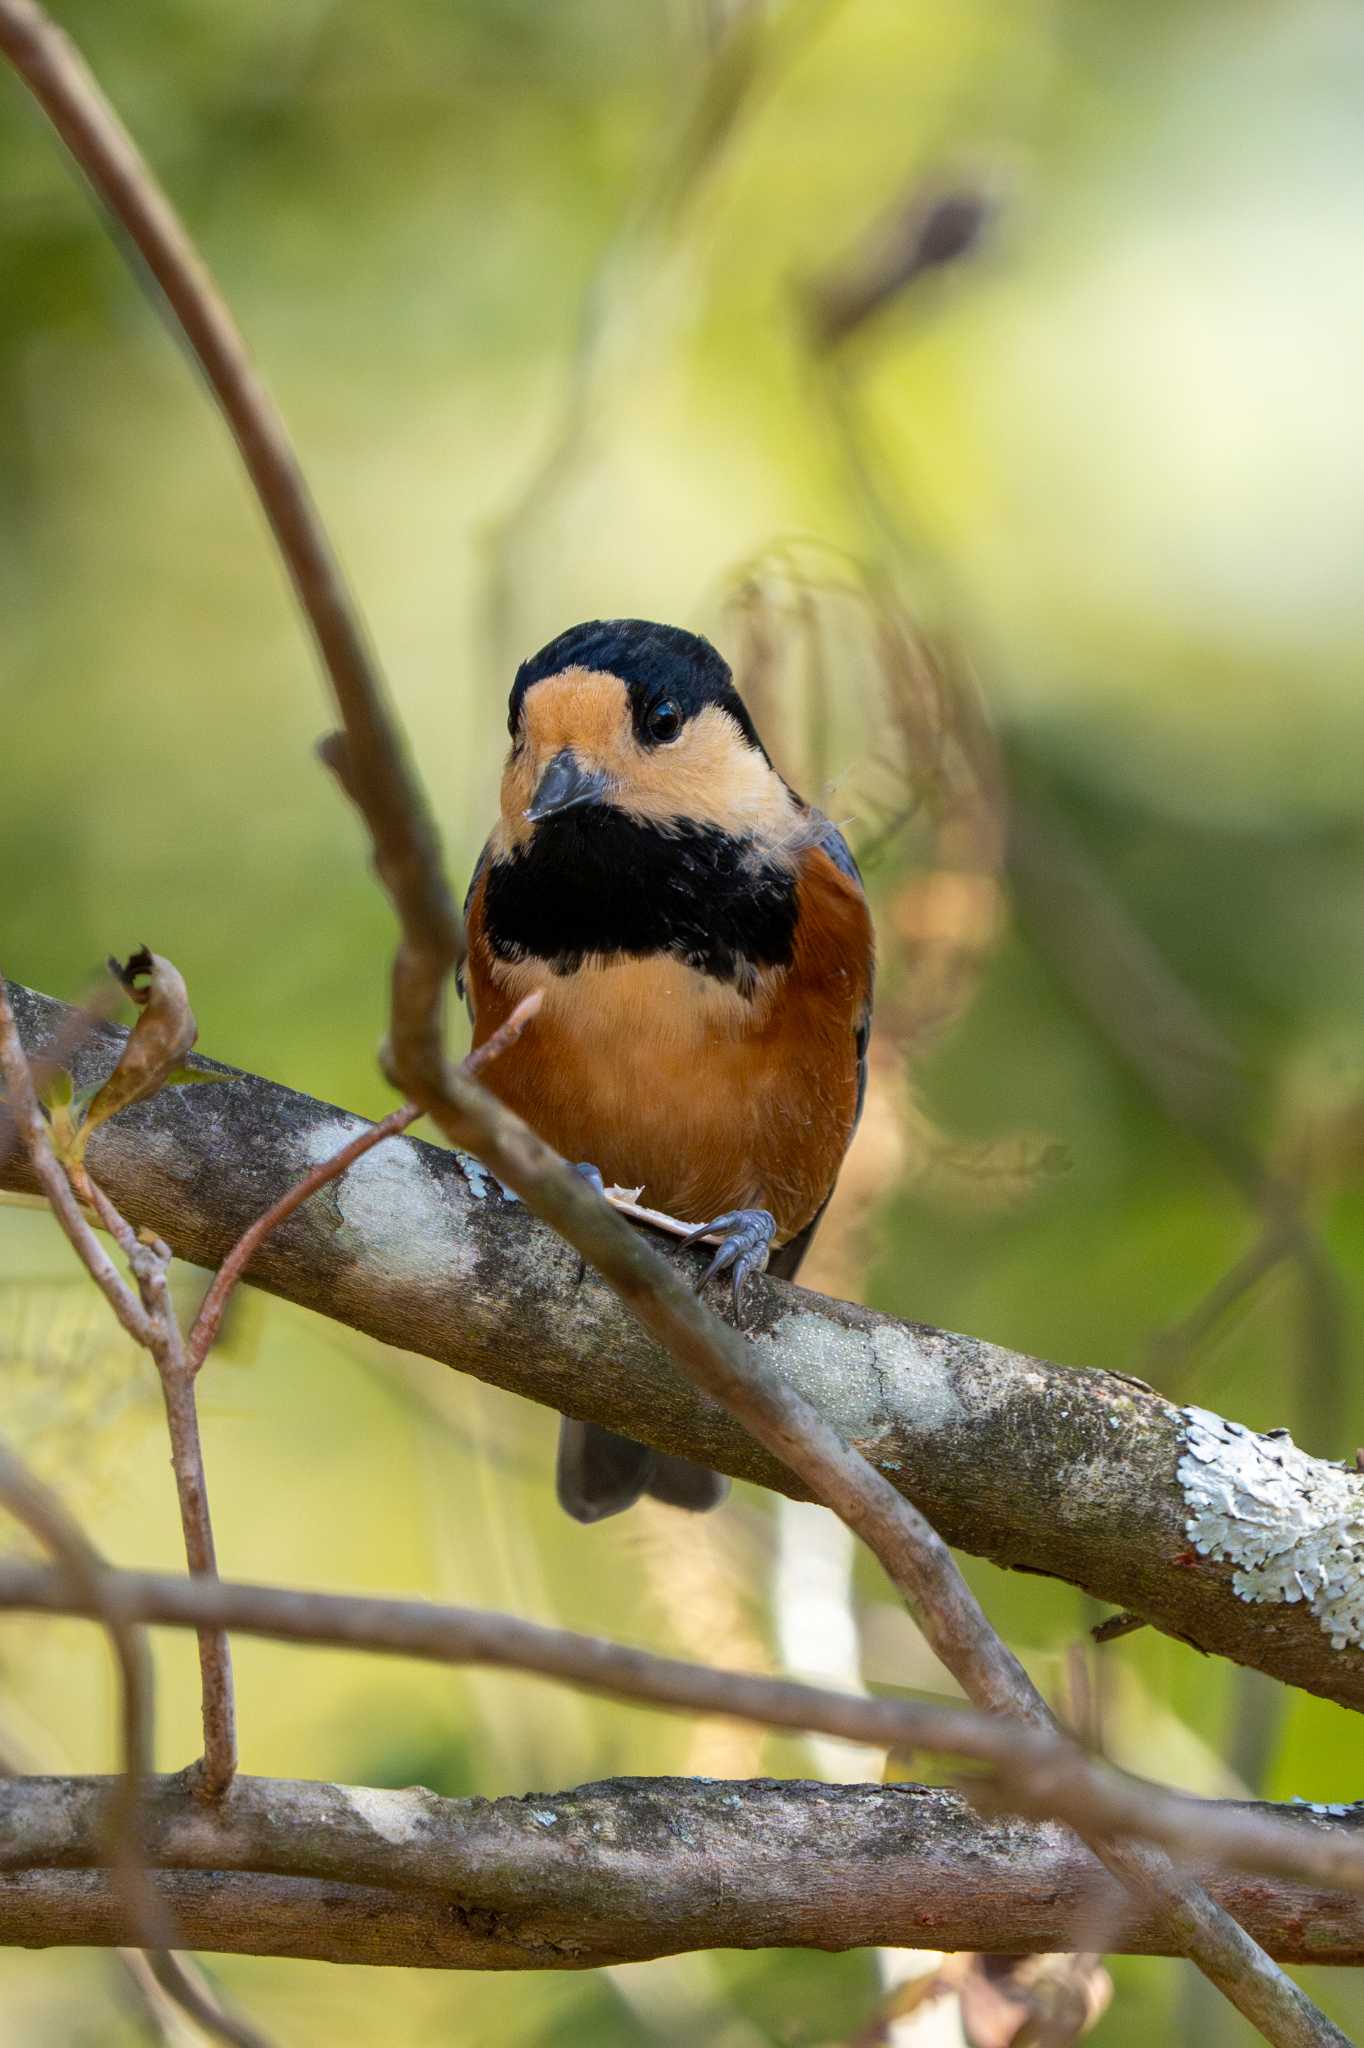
{"points": [[163, 1034]]}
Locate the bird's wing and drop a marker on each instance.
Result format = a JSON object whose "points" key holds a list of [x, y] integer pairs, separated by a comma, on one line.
{"points": [[786, 1261], [833, 843]]}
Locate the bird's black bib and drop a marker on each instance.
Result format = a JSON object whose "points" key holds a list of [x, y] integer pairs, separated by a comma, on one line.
{"points": [[596, 884]]}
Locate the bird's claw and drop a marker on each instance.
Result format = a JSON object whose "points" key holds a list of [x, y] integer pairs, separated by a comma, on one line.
{"points": [[592, 1175], [747, 1240]]}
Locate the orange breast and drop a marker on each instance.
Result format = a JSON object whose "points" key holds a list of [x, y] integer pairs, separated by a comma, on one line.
{"points": [[666, 1078]]}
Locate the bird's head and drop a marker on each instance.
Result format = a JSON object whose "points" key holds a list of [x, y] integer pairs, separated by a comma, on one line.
{"points": [[642, 719]]}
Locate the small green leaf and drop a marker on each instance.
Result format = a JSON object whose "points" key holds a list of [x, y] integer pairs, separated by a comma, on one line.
{"points": [[59, 1092], [182, 1076], [57, 1096]]}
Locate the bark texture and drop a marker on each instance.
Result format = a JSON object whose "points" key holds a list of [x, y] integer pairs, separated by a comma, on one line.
{"points": [[613, 1872], [1074, 1473]]}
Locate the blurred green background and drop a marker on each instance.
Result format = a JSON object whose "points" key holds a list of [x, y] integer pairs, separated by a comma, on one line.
{"points": [[527, 281]]}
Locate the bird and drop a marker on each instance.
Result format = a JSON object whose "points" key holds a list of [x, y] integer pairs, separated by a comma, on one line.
{"points": [[703, 947]]}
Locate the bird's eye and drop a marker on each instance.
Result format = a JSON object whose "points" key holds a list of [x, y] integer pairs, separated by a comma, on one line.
{"points": [[663, 720]]}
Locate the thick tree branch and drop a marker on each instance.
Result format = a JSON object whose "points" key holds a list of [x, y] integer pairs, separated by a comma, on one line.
{"points": [[212, 1308], [1035, 1770], [371, 762], [613, 1872], [1073, 1473]]}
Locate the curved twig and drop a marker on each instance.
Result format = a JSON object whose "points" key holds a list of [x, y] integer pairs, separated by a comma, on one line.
{"points": [[147, 1920]]}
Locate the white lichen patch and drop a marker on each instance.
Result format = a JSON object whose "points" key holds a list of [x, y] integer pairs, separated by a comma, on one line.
{"points": [[1293, 1525], [862, 1381], [392, 1213], [393, 1816]]}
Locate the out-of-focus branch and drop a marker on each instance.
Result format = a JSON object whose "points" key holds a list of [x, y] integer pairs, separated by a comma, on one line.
{"points": [[372, 764], [1036, 1771], [748, 43], [150, 1317], [97, 1007], [35, 1145], [1119, 979], [419, 1250], [723, 1365], [612, 1872], [1248, 1978], [58, 77], [116, 1818], [927, 230]]}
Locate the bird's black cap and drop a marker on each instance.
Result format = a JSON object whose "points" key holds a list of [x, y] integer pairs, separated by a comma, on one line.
{"points": [[652, 661]]}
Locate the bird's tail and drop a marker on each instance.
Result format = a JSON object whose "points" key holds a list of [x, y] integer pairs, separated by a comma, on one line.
{"points": [[600, 1473]]}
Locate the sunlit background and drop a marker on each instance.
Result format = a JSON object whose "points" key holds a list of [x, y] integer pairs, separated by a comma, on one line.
{"points": [[533, 285]]}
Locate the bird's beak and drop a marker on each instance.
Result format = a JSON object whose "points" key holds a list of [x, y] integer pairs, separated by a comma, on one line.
{"points": [[564, 785]]}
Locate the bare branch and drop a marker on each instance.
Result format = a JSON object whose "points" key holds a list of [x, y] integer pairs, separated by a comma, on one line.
{"points": [[153, 1323], [218, 1765], [96, 1007], [913, 1554], [58, 77], [441, 1266], [36, 1144], [117, 1820], [929, 230], [209, 1319], [210, 1316], [373, 767], [1034, 1771], [607, 1873]]}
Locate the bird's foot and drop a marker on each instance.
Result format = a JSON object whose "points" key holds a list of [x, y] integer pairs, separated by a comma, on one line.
{"points": [[592, 1175], [744, 1247]]}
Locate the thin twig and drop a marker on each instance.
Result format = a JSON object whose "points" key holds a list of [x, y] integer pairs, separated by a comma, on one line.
{"points": [[1204, 1932], [718, 1361], [152, 1320], [943, 1407], [80, 1024], [742, 62], [373, 767], [219, 1710], [32, 1130], [929, 229], [211, 1310], [1033, 1770], [1197, 1080], [207, 1323], [505, 1036], [59, 79], [84, 1571]]}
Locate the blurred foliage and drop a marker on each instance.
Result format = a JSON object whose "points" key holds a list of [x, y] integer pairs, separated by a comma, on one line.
{"points": [[527, 281]]}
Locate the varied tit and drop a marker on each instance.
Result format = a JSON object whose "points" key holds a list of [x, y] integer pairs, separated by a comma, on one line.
{"points": [[705, 954]]}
